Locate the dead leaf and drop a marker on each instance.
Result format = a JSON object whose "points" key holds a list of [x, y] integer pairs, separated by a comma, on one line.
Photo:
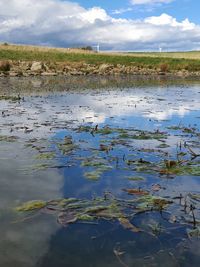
{"points": [[156, 187], [129, 226], [134, 191], [65, 218], [171, 163]]}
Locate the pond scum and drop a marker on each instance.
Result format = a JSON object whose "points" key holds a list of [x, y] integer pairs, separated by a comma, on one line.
{"points": [[181, 209]]}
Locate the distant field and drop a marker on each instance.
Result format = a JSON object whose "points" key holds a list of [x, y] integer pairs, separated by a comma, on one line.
{"points": [[185, 55], [39, 49], [172, 61]]}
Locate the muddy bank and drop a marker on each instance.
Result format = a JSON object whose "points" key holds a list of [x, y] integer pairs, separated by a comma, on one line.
{"points": [[39, 68]]}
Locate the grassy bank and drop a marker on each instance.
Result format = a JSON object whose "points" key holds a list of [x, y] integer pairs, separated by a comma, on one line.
{"points": [[189, 61]]}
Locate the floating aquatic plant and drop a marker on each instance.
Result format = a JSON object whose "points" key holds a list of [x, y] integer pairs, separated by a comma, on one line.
{"points": [[10, 97], [32, 205], [45, 156], [135, 178], [9, 139], [108, 207], [67, 146]]}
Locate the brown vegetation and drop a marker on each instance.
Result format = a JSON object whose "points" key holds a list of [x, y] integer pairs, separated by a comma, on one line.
{"points": [[4, 66]]}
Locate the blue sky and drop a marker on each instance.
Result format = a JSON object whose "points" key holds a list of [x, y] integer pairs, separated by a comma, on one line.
{"points": [[129, 25], [179, 9]]}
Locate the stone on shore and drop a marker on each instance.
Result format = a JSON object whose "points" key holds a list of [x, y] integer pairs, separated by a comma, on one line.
{"points": [[37, 66]]}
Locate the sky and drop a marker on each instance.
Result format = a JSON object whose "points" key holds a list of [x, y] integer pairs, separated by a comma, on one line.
{"points": [[128, 25]]}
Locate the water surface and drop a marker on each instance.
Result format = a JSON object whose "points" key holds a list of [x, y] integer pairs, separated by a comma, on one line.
{"points": [[121, 140]]}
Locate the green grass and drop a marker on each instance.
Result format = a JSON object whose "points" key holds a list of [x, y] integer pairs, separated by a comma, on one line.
{"points": [[171, 61]]}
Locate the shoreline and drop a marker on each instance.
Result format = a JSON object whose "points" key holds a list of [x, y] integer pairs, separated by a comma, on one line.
{"points": [[9, 68], [40, 85]]}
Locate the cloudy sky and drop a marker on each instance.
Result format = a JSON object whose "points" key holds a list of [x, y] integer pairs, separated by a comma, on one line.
{"points": [[128, 25]]}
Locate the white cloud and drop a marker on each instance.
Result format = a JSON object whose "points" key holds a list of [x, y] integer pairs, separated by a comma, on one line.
{"points": [[144, 2], [62, 23], [165, 19], [121, 10]]}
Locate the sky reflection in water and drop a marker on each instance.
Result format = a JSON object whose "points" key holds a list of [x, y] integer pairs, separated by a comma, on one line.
{"points": [[40, 241]]}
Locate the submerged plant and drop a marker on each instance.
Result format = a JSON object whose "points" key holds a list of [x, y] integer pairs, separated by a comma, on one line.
{"points": [[72, 210], [93, 175], [45, 156], [67, 146]]}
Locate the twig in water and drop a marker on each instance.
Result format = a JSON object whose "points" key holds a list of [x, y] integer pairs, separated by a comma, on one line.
{"points": [[26, 218], [118, 253], [192, 208], [194, 155]]}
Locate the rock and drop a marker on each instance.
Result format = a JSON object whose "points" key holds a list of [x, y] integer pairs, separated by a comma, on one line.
{"points": [[13, 74], [95, 72], [181, 73], [58, 72], [49, 74], [104, 67], [45, 67], [161, 73], [36, 66], [76, 72], [66, 73]]}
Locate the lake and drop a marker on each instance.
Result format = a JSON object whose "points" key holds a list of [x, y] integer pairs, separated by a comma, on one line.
{"points": [[99, 172]]}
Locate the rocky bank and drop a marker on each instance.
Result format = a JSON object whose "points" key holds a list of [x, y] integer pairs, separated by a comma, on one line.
{"points": [[38, 68]]}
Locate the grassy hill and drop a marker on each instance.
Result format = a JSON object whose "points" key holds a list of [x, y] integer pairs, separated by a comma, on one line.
{"points": [[189, 61]]}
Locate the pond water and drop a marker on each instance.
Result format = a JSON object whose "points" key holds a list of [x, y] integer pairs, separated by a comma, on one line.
{"points": [[99, 172]]}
